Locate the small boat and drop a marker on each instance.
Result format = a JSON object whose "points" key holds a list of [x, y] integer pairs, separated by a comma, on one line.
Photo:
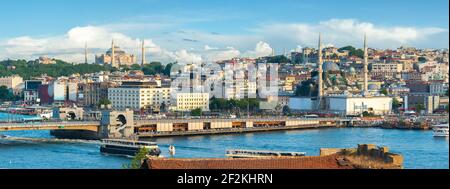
{"points": [[440, 130], [128, 147], [261, 154]]}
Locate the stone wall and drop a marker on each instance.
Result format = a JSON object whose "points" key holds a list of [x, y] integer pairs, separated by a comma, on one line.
{"points": [[373, 151], [368, 150]]}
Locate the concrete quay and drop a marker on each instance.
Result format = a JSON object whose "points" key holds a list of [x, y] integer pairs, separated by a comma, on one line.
{"points": [[227, 131]]}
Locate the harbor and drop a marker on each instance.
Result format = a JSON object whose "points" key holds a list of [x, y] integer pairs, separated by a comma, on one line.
{"points": [[419, 148]]}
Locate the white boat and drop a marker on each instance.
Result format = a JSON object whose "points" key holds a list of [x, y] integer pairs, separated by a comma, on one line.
{"points": [[237, 153], [440, 130], [128, 147]]}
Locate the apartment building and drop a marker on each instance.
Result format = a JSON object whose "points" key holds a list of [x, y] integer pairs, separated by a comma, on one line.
{"points": [[139, 95], [190, 101]]}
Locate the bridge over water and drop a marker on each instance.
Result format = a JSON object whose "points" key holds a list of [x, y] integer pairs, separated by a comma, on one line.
{"points": [[114, 124]]}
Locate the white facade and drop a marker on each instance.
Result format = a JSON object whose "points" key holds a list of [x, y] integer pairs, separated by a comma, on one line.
{"points": [[349, 105], [11, 82], [137, 98], [438, 88], [58, 89], [387, 67], [72, 91], [190, 101], [31, 96]]}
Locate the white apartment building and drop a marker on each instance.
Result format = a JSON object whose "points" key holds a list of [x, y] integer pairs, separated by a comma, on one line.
{"points": [[387, 67], [190, 101], [137, 95]]}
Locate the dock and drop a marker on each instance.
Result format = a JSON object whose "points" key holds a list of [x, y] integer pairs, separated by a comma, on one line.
{"points": [[228, 131]]}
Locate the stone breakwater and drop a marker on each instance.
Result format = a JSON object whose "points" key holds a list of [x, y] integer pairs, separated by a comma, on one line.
{"points": [[365, 156]]}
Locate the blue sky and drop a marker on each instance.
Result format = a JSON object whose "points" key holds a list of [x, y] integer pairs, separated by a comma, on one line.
{"points": [[231, 25]]}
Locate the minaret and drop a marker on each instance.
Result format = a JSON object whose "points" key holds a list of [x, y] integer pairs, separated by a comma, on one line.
{"points": [[113, 59], [319, 65], [365, 88], [85, 53], [143, 53], [273, 51]]}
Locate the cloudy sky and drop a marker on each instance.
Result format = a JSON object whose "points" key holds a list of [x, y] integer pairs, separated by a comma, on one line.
{"points": [[196, 30]]}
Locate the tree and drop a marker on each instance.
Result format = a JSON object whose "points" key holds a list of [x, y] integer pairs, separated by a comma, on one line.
{"points": [[135, 67], [104, 101], [167, 69], [422, 59], [395, 104], [384, 91], [352, 51], [419, 108], [31, 69], [7, 95], [136, 162], [196, 112], [4, 93]]}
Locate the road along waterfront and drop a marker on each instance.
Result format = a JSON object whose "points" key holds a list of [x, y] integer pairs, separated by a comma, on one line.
{"points": [[419, 148]]}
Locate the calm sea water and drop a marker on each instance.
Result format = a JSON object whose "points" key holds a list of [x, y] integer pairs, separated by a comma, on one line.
{"points": [[419, 148]]}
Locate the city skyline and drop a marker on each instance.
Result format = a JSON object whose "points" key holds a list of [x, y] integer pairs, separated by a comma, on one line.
{"points": [[197, 31]]}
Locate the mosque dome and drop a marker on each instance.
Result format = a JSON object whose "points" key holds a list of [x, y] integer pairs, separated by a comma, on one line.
{"points": [[352, 70], [330, 66], [373, 87]]}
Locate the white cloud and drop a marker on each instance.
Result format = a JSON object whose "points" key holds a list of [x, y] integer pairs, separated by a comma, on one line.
{"points": [[207, 48], [183, 56], [261, 49], [341, 32], [216, 54], [211, 46]]}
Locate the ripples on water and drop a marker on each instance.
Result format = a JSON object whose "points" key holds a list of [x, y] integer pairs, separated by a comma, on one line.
{"points": [[420, 148]]}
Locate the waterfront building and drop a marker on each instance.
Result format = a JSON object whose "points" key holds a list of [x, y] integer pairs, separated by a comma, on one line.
{"points": [[348, 104], [120, 57], [92, 93], [438, 87], [31, 93], [340, 99], [190, 101], [139, 95], [62, 91], [11, 82]]}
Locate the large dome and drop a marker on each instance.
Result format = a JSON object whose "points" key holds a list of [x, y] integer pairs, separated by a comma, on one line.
{"points": [[373, 87], [352, 70], [330, 66]]}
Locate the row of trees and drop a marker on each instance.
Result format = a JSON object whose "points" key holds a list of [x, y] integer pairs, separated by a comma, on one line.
{"points": [[219, 104], [7, 95], [30, 69], [353, 51], [152, 68]]}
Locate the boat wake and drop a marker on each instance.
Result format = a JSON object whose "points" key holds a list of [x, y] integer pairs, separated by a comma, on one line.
{"points": [[49, 140]]}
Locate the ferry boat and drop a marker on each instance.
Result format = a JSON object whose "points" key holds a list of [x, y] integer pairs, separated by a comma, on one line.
{"points": [[440, 130], [261, 154], [128, 147]]}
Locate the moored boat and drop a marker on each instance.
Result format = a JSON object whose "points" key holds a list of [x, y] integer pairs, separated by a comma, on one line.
{"points": [[440, 130], [128, 147], [261, 154]]}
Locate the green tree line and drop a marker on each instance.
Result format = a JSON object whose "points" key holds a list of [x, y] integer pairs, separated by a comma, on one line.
{"points": [[30, 69], [220, 104]]}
